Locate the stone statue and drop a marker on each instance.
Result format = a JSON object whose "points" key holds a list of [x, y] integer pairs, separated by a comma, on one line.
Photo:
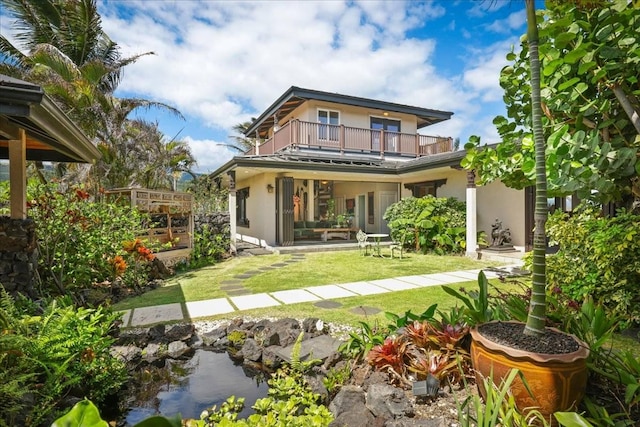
{"points": [[500, 236]]}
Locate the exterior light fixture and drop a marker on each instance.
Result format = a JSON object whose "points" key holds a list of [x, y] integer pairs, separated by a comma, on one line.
{"points": [[269, 188]]}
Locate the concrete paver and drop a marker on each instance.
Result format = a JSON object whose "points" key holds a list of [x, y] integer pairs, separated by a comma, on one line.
{"points": [[446, 278], [210, 307], [422, 280], [393, 284], [331, 291], [126, 316], [467, 275], [247, 302], [293, 296], [156, 314], [363, 288]]}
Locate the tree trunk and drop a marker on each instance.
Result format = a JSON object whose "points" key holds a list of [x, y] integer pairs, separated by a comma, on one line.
{"points": [[537, 309]]}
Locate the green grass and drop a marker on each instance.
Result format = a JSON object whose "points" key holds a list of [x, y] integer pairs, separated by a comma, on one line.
{"points": [[318, 268]]}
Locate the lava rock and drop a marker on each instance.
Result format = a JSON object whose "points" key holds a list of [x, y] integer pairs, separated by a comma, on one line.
{"points": [[179, 332], [388, 402], [126, 353], [177, 349], [250, 351]]}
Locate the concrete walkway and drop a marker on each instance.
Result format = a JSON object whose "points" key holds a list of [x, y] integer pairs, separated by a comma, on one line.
{"points": [[320, 295]]}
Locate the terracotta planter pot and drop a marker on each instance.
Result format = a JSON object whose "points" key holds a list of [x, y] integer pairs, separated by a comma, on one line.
{"points": [[557, 381]]}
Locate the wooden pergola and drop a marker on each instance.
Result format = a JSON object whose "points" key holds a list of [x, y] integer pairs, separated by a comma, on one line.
{"points": [[33, 127]]}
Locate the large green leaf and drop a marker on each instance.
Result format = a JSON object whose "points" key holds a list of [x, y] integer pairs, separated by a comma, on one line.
{"points": [[571, 419], [574, 56], [83, 414], [568, 83]]}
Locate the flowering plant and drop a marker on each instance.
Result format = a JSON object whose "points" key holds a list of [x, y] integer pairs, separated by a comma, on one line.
{"points": [[80, 240]]}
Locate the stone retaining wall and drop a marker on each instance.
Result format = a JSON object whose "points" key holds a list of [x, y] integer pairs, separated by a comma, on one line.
{"points": [[219, 222], [18, 256]]}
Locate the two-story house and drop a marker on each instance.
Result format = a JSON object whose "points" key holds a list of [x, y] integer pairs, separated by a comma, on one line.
{"points": [[325, 160]]}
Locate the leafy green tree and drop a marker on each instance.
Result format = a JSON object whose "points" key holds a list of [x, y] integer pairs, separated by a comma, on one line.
{"points": [[590, 62], [241, 142], [80, 67], [586, 130]]}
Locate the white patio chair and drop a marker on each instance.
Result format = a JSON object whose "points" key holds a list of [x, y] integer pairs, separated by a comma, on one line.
{"points": [[363, 244]]}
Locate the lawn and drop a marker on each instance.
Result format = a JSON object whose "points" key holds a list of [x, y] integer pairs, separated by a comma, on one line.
{"points": [[317, 268]]}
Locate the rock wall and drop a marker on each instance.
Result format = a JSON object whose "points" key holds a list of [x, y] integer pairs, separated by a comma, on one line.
{"points": [[219, 222], [18, 256]]}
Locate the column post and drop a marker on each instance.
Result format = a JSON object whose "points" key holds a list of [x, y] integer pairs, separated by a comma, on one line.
{"points": [[18, 176], [472, 226], [232, 210]]}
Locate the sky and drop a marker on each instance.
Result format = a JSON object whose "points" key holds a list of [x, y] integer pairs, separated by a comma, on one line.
{"points": [[223, 62]]}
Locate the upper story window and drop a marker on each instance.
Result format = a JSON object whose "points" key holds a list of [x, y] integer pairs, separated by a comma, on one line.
{"points": [[390, 125], [328, 117]]}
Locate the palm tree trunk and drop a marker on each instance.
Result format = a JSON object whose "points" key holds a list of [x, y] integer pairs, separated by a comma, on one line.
{"points": [[537, 309]]}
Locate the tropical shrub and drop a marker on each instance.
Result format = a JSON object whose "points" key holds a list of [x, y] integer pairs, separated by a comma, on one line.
{"points": [[51, 353], [208, 246], [83, 243], [428, 223], [598, 257]]}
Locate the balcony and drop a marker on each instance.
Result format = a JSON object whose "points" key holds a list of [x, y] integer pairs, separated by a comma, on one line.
{"points": [[299, 135]]}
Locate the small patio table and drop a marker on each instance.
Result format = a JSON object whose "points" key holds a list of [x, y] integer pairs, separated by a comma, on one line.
{"points": [[376, 238]]}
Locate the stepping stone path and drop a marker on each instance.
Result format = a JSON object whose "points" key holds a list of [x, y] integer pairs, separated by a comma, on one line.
{"points": [[328, 304], [365, 311], [240, 297]]}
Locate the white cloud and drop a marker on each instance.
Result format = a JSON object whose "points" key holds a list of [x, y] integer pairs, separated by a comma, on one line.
{"points": [[222, 62], [512, 22], [209, 154]]}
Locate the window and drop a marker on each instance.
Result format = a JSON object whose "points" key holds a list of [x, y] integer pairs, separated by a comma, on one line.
{"points": [[332, 119], [241, 207], [388, 125]]}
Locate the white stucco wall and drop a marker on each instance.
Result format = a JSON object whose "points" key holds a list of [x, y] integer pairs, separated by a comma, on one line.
{"points": [[261, 207], [349, 115], [496, 201]]}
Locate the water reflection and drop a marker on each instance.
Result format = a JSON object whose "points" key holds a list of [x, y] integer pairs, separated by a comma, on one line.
{"points": [[188, 387]]}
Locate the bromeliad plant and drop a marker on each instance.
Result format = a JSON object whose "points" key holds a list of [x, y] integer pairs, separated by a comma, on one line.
{"points": [[420, 349]]}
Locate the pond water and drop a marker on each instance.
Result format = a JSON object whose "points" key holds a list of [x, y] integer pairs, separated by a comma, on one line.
{"points": [[191, 386]]}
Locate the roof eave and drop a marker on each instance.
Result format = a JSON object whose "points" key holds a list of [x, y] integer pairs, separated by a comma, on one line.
{"points": [[428, 116], [69, 137]]}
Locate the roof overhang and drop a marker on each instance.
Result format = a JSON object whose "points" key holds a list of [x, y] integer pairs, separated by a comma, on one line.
{"points": [[296, 96], [248, 166], [50, 134]]}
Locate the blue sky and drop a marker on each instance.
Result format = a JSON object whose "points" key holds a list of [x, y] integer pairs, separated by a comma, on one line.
{"points": [[222, 62]]}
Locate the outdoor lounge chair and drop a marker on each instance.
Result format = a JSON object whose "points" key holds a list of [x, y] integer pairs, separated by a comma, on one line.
{"points": [[363, 244]]}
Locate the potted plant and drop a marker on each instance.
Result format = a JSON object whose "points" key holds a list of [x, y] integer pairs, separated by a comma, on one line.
{"points": [[552, 363]]}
